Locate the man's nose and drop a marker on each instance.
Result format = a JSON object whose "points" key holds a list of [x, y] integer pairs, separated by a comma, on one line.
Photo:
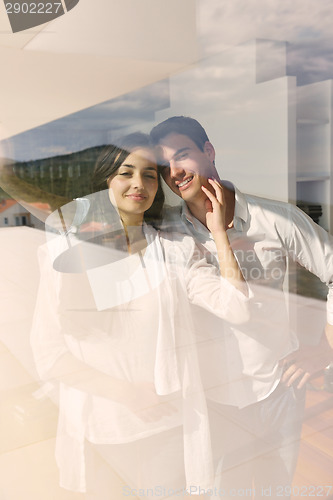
{"points": [[175, 170]]}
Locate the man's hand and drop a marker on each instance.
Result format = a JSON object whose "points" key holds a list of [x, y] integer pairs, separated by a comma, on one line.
{"points": [[306, 363]]}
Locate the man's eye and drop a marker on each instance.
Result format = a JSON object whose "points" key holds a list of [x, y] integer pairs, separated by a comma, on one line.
{"points": [[181, 157]]}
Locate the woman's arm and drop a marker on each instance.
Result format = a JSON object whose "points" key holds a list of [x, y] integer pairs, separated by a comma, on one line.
{"points": [[140, 398], [208, 289], [215, 221], [223, 291]]}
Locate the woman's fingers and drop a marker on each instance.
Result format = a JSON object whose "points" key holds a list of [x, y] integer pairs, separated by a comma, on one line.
{"points": [[219, 194], [212, 198], [215, 216], [218, 190], [209, 195]]}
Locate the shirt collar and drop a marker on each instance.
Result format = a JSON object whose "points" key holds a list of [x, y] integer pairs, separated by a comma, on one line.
{"points": [[195, 223], [241, 209]]}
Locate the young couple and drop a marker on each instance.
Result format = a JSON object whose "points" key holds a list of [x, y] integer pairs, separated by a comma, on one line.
{"points": [[113, 329], [125, 346]]}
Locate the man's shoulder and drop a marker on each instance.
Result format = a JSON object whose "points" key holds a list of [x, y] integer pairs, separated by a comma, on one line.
{"points": [[273, 215], [267, 208], [254, 201]]}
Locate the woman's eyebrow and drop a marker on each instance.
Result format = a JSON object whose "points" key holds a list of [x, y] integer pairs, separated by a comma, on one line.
{"points": [[128, 165], [151, 168]]}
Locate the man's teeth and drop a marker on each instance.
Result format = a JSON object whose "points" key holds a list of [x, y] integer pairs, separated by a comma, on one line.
{"points": [[185, 182]]}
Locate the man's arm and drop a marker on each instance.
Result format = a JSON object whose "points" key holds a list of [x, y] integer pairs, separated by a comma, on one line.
{"points": [[312, 247]]}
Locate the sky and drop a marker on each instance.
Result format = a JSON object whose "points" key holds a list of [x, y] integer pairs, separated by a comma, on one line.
{"points": [[92, 126], [305, 25]]}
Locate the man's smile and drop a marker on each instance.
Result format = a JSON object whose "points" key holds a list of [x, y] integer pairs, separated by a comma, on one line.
{"points": [[184, 184]]}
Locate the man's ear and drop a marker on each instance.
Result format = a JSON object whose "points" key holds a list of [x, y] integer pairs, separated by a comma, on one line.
{"points": [[209, 151]]}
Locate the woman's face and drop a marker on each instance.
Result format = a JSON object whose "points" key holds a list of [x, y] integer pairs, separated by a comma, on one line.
{"points": [[132, 188]]}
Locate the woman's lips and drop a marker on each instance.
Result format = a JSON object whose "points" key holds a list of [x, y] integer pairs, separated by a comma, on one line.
{"points": [[136, 197]]}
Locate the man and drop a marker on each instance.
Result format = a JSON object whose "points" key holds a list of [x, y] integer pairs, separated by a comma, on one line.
{"points": [[254, 374]]}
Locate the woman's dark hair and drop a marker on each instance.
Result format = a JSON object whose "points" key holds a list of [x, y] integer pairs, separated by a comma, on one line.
{"points": [[111, 159], [180, 125]]}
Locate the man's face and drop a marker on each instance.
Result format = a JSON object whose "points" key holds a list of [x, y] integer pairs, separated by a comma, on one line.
{"points": [[185, 168]]}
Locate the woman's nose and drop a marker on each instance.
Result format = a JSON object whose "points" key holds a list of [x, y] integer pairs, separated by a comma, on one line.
{"points": [[138, 182]]}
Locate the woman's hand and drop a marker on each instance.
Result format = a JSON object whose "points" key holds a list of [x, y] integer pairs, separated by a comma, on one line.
{"points": [[140, 398], [216, 208], [216, 223], [147, 405]]}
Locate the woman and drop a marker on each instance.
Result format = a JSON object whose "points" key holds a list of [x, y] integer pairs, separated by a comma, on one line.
{"points": [[115, 329]]}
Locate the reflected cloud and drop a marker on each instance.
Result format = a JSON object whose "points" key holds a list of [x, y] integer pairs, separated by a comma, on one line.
{"points": [[306, 28], [92, 126], [234, 22], [311, 60]]}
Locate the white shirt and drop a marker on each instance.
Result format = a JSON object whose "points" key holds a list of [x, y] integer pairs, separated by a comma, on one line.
{"points": [[239, 364], [86, 314]]}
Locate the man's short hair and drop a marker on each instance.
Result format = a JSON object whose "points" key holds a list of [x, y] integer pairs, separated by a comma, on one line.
{"points": [[180, 125]]}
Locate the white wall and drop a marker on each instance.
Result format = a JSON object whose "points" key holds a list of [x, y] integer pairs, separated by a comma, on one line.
{"points": [[95, 52]]}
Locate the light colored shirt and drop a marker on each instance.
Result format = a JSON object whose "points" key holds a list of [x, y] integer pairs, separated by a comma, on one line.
{"points": [[240, 364], [132, 323]]}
